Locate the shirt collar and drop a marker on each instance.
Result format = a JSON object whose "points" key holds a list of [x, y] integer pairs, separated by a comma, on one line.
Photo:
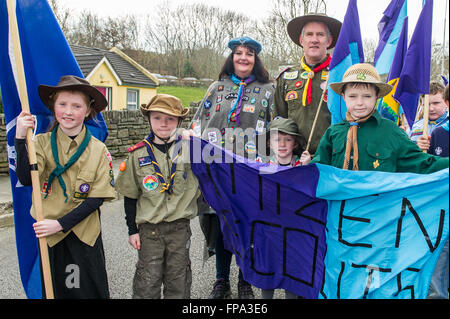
{"points": [[65, 142]]}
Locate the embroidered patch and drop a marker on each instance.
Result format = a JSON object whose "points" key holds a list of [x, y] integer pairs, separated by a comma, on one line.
{"points": [[150, 182], [123, 166], [109, 157], [264, 103], [376, 164], [44, 187], [298, 84], [260, 126], [218, 106], [361, 76], [268, 94], [253, 100], [207, 104], [212, 137], [250, 147], [84, 188], [304, 75], [249, 108], [291, 95], [257, 90], [324, 75], [290, 75], [143, 161], [219, 99], [80, 195], [220, 88]]}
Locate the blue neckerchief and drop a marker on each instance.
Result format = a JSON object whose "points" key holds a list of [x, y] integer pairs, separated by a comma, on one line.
{"points": [[166, 187], [237, 105]]}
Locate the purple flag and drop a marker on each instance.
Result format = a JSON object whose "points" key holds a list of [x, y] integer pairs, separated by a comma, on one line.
{"points": [[415, 76]]}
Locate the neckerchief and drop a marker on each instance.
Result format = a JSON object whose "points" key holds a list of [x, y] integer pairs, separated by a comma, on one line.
{"points": [[352, 140], [237, 105], [306, 98], [59, 170], [295, 161], [166, 187]]}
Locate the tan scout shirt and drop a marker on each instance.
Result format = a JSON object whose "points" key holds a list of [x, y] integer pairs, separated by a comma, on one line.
{"points": [[90, 176], [140, 182]]}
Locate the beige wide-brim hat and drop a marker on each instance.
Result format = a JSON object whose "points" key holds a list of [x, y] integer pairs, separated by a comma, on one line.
{"points": [[295, 26], [362, 73], [69, 83], [165, 103]]}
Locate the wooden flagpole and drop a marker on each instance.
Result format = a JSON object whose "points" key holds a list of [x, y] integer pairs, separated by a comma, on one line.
{"points": [[317, 116], [426, 111], [37, 200]]}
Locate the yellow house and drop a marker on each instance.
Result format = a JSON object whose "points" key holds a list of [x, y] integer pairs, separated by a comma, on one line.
{"points": [[125, 83]]}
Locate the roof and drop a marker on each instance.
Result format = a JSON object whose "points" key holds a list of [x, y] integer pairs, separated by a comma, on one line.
{"points": [[127, 70]]}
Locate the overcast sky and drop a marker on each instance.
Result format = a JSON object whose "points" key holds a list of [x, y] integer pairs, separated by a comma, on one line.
{"points": [[370, 11]]}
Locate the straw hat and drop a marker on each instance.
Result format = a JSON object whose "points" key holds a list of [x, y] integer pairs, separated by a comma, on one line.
{"points": [[72, 82], [295, 26], [362, 73], [165, 103]]}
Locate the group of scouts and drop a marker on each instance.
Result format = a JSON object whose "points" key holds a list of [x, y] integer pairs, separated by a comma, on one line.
{"points": [[161, 193]]}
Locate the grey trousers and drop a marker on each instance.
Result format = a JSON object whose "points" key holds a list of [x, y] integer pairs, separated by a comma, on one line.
{"points": [[163, 260]]}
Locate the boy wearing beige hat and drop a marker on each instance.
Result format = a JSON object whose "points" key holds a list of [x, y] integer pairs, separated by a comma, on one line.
{"points": [[365, 140], [160, 197]]}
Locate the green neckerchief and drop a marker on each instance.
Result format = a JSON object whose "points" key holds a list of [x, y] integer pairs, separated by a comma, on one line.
{"points": [[59, 170]]}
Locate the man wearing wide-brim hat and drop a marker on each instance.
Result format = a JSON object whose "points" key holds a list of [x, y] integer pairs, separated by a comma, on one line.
{"points": [[299, 88]]}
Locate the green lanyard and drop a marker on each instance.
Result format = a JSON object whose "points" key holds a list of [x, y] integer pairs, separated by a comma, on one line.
{"points": [[59, 170]]}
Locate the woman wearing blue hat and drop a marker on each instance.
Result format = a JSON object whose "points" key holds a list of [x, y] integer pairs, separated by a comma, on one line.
{"points": [[236, 108]]}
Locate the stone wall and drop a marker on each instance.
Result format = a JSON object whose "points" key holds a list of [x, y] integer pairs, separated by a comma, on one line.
{"points": [[125, 128]]}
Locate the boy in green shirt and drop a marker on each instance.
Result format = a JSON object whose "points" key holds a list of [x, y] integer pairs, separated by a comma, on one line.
{"points": [[365, 140]]}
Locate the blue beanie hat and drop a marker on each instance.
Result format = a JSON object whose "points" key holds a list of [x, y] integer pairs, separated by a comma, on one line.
{"points": [[246, 41]]}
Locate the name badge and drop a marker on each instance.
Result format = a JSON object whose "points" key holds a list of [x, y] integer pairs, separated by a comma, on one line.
{"points": [[143, 161], [290, 75]]}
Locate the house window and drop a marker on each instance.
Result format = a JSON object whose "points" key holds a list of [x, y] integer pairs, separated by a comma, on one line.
{"points": [[132, 99]]}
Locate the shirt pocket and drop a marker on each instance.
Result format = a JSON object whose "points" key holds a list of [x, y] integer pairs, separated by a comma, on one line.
{"points": [[83, 185], [182, 174], [380, 159], [338, 152]]}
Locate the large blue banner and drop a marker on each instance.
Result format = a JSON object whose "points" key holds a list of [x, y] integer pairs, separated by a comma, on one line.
{"points": [[322, 232]]}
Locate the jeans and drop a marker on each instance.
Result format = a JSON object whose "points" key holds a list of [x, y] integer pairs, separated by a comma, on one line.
{"points": [[439, 281]]}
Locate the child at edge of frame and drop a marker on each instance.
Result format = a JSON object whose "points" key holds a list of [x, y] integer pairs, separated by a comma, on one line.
{"points": [[160, 198], [366, 141], [75, 173]]}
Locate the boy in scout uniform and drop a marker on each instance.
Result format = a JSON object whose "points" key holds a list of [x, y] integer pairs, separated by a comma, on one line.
{"points": [[160, 197], [299, 88], [366, 141], [75, 172]]}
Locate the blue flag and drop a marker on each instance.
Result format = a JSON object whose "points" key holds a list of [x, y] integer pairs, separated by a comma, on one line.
{"points": [[389, 28], [323, 232], [415, 76], [348, 51], [388, 107], [46, 57]]}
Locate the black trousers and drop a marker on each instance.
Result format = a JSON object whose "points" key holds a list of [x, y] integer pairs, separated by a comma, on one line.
{"points": [[78, 270]]}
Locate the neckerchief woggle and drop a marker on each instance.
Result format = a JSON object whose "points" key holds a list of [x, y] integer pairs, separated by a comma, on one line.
{"points": [[166, 187], [236, 108], [306, 98], [59, 170]]}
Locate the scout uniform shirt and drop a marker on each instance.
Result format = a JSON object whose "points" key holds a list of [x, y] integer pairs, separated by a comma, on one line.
{"points": [[382, 145], [417, 128], [211, 118], [90, 176], [288, 102], [139, 181]]}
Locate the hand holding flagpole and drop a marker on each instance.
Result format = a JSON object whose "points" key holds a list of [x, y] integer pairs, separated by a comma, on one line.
{"points": [[37, 201]]}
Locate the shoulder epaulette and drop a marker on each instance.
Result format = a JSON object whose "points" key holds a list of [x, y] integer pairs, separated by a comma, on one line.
{"points": [[136, 146], [276, 79]]}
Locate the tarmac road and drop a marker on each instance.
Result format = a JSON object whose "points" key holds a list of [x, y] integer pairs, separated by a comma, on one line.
{"points": [[120, 260]]}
